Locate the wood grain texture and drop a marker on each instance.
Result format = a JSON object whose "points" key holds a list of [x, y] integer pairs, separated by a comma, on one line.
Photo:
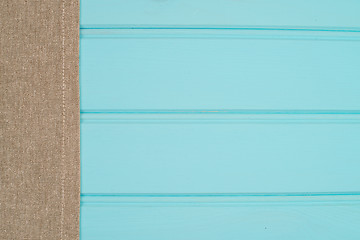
{"points": [[219, 153], [229, 13], [220, 119], [245, 217], [219, 69]]}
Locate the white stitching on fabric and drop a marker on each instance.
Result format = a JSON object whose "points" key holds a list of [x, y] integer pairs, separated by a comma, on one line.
{"points": [[63, 123]]}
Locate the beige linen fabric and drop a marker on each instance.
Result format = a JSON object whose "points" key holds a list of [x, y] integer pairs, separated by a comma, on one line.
{"points": [[40, 137]]}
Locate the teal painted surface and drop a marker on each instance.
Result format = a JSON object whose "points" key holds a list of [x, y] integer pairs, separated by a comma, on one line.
{"points": [[220, 119], [321, 14], [219, 154], [242, 217], [219, 71]]}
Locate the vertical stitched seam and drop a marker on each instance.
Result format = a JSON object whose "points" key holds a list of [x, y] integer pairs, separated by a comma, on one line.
{"points": [[63, 123]]}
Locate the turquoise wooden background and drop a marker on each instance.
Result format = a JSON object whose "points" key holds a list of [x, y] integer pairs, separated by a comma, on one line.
{"points": [[220, 119]]}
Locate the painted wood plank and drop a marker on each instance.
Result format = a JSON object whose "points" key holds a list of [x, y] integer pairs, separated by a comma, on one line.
{"points": [[220, 13], [219, 153], [242, 217], [219, 69]]}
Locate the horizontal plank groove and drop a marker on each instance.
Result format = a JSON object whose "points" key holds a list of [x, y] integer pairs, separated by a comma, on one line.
{"points": [[284, 198], [245, 33], [184, 195], [242, 28], [220, 116], [220, 111]]}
